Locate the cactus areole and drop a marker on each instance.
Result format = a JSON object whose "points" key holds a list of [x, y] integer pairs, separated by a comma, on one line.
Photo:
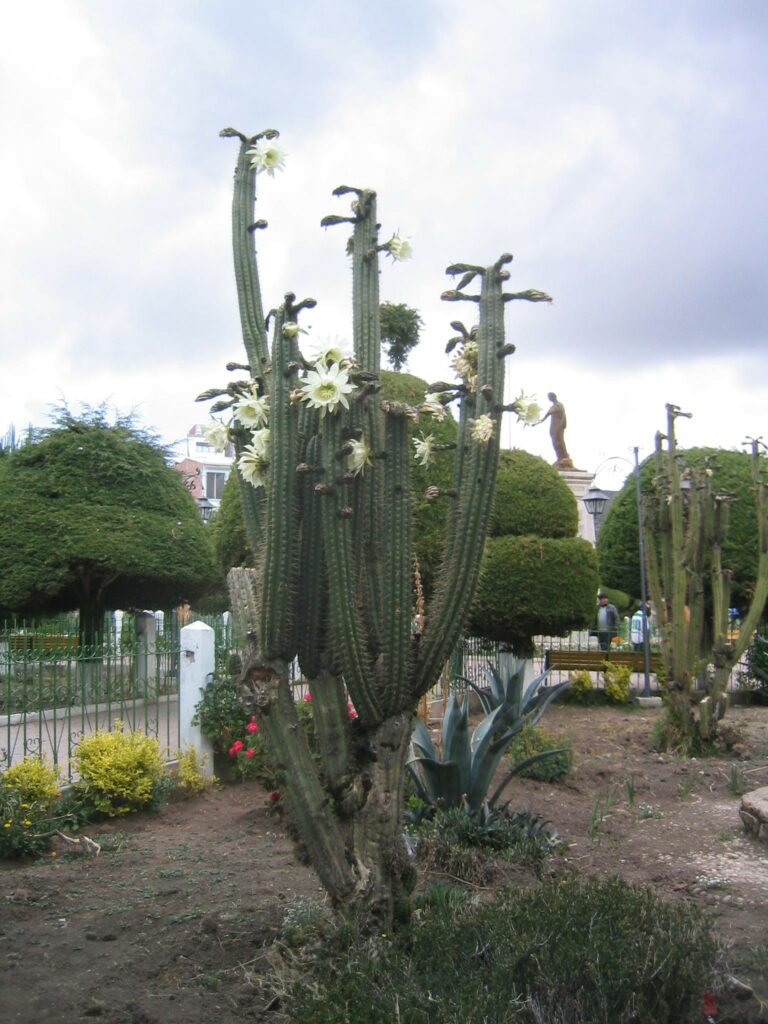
{"points": [[324, 471]]}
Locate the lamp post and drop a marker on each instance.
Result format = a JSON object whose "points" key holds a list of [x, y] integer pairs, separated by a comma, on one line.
{"points": [[594, 502], [205, 508]]}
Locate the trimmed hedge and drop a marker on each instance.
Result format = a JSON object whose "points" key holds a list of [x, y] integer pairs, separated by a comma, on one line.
{"points": [[531, 499], [533, 585], [618, 543]]}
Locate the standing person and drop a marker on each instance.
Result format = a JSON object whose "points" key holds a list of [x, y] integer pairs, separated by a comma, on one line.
{"points": [[636, 626], [608, 620]]}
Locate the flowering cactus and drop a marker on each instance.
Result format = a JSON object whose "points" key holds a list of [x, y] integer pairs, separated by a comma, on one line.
{"points": [[324, 469]]}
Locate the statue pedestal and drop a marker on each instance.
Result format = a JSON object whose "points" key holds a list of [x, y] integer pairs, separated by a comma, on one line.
{"points": [[579, 482]]}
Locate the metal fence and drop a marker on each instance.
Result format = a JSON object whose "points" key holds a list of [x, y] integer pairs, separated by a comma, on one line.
{"points": [[53, 690]]}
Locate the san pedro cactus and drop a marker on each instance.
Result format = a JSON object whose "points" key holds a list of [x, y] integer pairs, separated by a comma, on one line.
{"points": [[686, 523], [324, 468]]}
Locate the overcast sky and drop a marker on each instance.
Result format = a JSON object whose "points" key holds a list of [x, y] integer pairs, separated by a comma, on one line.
{"points": [[616, 147]]}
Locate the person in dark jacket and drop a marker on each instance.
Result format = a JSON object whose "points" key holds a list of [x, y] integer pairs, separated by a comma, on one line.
{"points": [[608, 620]]}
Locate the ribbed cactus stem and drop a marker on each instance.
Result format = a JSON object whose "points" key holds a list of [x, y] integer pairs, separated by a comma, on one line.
{"points": [[281, 523], [244, 251]]}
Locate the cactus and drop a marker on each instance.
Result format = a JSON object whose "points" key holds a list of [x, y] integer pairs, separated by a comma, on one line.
{"points": [[686, 523], [327, 503]]}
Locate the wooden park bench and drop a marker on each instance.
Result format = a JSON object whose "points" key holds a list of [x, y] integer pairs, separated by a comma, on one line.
{"points": [[21, 643], [594, 661]]}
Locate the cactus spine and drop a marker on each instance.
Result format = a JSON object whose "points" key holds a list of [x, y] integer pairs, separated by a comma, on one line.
{"points": [[686, 524], [334, 584]]}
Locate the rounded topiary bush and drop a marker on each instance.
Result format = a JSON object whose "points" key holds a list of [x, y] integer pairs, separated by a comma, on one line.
{"points": [[531, 499], [534, 585], [618, 543]]}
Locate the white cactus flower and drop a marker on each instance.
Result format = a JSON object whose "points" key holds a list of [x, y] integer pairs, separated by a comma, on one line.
{"points": [[359, 457], [527, 409], [216, 434], [482, 429], [329, 353], [425, 450], [266, 156], [465, 363], [260, 441], [253, 468], [252, 411], [325, 388], [432, 406], [290, 330], [400, 249]]}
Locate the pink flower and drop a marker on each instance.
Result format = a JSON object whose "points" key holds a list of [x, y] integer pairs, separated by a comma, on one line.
{"points": [[351, 709], [308, 697], [235, 748], [252, 727], [250, 752]]}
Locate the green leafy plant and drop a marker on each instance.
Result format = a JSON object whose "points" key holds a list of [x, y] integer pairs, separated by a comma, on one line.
{"points": [[189, 774], [119, 772], [535, 739], [462, 772], [601, 809], [617, 680], [587, 952], [754, 679], [582, 687], [35, 780], [221, 714], [470, 846]]}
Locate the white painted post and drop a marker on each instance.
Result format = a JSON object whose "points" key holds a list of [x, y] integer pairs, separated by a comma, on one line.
{"points": [[195, 670]]}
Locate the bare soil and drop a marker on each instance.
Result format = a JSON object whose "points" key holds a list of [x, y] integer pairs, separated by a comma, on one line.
{"points": [[172, 922]]}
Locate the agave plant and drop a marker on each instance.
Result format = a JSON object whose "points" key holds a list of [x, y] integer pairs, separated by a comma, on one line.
{"points": [[462, 776], [507, 686]]}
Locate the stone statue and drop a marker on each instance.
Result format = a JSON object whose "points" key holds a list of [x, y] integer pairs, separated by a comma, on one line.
{"points": [[557, 425]]}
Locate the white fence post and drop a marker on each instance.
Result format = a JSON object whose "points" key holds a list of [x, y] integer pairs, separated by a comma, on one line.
{"points": [[195, 670]]}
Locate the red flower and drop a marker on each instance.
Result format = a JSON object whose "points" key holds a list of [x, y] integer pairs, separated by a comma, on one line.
{"points": [[236, 747], [273, 797], [252, 727], [710, 1009], [250, 752], [308, 697]]}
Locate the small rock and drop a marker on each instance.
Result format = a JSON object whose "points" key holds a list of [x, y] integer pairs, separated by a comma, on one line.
{"points": [[209, 925], [738, 988], [95, 1010]]}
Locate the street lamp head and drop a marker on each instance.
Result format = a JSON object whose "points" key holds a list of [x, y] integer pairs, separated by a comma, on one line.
{"points": [[205, 509], [595, 501]]}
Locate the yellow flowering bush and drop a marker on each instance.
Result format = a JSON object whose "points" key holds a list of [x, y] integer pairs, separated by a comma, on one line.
{"points": [[617, 679], [119, 772], [35, 781], [582, 686], [190, 771]]}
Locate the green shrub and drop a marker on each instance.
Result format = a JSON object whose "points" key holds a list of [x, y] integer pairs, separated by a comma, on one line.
{"points": [[617, 680], [22, 823], [754, 681], [119, 772], [582, 689], [221, 715], [535, 739], [469, 846], [594, 952], [35, 780]]}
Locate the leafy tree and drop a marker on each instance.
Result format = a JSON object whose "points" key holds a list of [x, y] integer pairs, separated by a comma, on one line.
{"points": [[400, 329], [93, 519], [538, 577], [618, 544]]}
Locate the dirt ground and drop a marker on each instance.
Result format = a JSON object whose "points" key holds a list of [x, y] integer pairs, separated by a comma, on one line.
{"points": [[172, 922]]}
